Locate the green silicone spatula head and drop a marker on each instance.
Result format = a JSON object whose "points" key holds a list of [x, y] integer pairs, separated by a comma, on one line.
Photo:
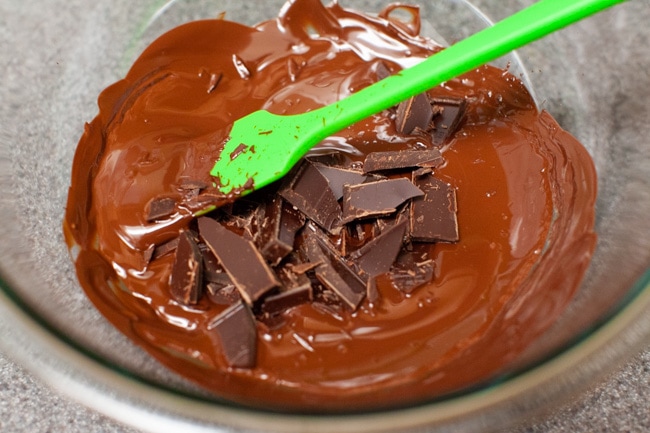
{"points": [[263, 147]]}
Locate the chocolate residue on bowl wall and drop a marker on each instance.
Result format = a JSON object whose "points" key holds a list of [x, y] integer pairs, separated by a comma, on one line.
{"points": [[524, 191]]}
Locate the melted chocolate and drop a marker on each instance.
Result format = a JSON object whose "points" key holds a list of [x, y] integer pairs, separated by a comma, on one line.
{"points": [[525, 192]]}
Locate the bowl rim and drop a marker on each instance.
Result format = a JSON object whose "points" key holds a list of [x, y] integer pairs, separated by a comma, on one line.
{"points": [[86, 378]]}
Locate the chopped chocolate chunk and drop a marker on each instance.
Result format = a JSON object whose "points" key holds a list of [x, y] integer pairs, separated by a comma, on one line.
{"points": [[160, 207], [378, 161], [407, 277], [164, 248], [337, 177], [449, 113], [376, 198], [284, 300], [186, 277], [278, 224], [192, 184], [309, 192], [147, 255], [212, 271], [381, 70], [237, 333], [333, 273], [242, 262], [377, 256], [415, 112], [433, 216], [223, 295]]}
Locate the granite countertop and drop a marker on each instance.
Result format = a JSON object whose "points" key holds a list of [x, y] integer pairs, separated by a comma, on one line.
{"points": [[621, 403]]}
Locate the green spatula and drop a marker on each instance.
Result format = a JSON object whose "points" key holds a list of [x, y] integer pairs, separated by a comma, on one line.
{"points": [[263, 147]]}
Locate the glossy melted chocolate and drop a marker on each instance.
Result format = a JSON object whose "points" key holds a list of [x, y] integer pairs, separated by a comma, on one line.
{"points": [[525, 193]]}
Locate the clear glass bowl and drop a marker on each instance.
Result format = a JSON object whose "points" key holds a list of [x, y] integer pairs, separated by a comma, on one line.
{"points": [[593, 78]]}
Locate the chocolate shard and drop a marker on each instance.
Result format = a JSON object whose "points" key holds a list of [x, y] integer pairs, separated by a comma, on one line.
{"points": [[309, 192], [186, 276], [408, 275], [160, 207], [164, 248], [448, 114], [282, 301], [377, 256], [237, 333], [376, 198], [338, 177], [415, 112], [433, 216], [223, 294], [212, 271], [378, 161], [192, 184], [240, 259], [277, 225], [333, 272]]}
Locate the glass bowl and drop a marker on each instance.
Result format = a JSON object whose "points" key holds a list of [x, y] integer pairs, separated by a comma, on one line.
{"points": [[593, 78]]}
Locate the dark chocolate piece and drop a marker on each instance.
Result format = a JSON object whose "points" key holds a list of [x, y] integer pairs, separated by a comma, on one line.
{"points": [[415, 112], [192, 184], [278, 224], [377, 256], [408, 276], [376, 198], [333, 273], [240, 259], [448, 114], [160, 207], [186, 276], [309, 191], [237, 332], [282, 301], [433, 216], [164, 248], [337, 177], [378, 161], [223, 295]]}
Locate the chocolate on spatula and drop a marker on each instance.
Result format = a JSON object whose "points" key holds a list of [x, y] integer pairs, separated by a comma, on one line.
{"points": [[240, 259]]}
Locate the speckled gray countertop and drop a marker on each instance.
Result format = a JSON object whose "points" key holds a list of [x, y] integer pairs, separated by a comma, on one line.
{"points": [[621, 403]]}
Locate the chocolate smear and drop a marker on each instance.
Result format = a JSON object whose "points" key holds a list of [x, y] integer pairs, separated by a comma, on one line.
{"points": [[187, 271], [237, 333], [309, 192], [376, 198], [378, 161], [448, 114], [240, 259], [433, 216], [415, 112], [159, 208]]}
